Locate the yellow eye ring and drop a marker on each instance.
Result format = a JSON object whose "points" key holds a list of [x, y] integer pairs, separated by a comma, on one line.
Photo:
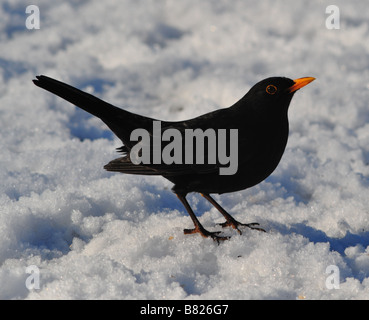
{"points": [[271, 89]]}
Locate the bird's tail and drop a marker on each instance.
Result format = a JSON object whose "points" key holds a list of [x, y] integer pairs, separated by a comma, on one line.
{"points": [[120, 121]]}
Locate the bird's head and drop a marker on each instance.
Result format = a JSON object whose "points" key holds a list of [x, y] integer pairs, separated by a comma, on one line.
{"points": [[275, 93]]}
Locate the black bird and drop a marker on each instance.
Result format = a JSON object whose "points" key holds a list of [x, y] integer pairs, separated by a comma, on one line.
{"points": [[260, 118]]}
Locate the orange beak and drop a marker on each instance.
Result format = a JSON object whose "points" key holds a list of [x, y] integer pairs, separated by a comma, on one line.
{"points": [[299, 83]]}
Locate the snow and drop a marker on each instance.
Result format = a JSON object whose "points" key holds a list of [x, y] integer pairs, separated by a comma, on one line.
{"points": [[91, 234]]}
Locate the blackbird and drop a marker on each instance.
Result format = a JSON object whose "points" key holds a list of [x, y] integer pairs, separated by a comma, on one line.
{"points": [[260, 118]]}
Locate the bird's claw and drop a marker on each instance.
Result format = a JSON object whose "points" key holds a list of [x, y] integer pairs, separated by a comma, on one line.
{"points": [[235, 225], [205, 233]]}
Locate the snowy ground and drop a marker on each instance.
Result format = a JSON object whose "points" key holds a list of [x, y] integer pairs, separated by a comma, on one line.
{"points": [[92, 234]]}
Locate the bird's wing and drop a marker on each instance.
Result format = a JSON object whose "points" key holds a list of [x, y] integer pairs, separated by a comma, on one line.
{"points": [[125, 165]]}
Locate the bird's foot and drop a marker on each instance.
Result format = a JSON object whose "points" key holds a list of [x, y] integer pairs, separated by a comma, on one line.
{"points": [[235, 225], [205, 233]]}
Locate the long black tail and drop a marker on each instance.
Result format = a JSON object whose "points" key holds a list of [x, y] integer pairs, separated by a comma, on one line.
{"points": [[120, 121]]}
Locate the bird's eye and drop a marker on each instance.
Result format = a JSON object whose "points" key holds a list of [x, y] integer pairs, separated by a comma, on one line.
{"points": [[271, 89]]}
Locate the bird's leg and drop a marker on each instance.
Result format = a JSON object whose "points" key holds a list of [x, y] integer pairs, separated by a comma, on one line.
{"points": [[198, 227], [231, 222]]}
